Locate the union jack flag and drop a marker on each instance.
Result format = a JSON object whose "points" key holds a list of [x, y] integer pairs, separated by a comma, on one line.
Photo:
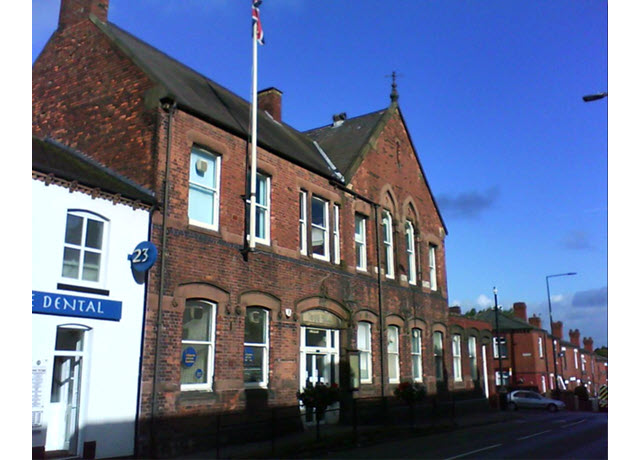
{"points": [[255, 16]]}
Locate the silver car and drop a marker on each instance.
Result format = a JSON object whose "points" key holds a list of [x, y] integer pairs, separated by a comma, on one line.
{"points": [[531, 400]]}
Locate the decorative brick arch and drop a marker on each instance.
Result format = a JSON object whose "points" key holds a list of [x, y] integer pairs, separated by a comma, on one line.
{"points": [[259, 299], [388, 200], [410, 212], [204, 291], [323, 303]]}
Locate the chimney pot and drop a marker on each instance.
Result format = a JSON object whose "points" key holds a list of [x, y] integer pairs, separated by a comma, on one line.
{"points": [[556, 329]]}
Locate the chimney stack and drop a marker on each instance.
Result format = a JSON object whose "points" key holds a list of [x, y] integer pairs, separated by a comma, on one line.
{"points": [[556, 329], [574, 337], [73, 12], [535, 321], [588, 344], [455, 310], [270, 100], [520, 310]]}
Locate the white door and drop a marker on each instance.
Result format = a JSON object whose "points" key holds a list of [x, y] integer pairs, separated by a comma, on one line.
{"points": [[319, 357], [62, 423]]}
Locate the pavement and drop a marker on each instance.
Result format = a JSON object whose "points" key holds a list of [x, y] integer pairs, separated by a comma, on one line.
{"points": [[338, 437]]}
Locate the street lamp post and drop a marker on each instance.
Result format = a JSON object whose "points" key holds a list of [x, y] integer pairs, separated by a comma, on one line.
{"points": [[594, 97], [495, 308], [553, 342]]}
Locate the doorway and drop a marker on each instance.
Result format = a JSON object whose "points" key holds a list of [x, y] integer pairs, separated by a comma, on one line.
{"points": [[319, 359], [64, 404]]}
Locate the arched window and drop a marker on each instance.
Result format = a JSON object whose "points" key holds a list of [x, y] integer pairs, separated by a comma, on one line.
{"points": [[364, 347], [457, 357], [393, 353], [411, 252], [387, 241], [438, 355], [84, 247], [256, 347], [198, 347], [416, 354]]}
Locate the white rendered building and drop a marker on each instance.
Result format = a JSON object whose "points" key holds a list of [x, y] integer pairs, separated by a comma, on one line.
{"points": [[87, 307]]}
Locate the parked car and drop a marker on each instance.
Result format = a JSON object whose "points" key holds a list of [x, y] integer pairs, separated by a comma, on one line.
{"points": [[526, 399]]}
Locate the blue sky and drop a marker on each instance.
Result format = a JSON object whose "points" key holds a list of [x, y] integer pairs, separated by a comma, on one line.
{"points": [[491, 91]]}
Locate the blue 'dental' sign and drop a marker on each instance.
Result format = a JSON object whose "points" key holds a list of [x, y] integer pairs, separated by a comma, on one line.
{"points": [[71, 305], [143, 257], [189, 356]]}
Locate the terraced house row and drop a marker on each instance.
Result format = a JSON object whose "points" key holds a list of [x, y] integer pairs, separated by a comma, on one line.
{"points": [[349, 261]]}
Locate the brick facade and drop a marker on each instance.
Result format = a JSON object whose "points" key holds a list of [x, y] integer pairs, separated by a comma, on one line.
{"points": [[93, 96]]}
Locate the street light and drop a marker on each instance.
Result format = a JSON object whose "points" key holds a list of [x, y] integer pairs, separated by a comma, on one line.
{"points": [[594, 97], [495, 300], [553, 342]]}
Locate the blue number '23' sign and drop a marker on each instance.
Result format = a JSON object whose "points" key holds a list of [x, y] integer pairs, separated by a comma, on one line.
{"points": [[144, 256]]}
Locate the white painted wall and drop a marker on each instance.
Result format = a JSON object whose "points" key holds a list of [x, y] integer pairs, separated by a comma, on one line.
{"points": [[111, 368]]}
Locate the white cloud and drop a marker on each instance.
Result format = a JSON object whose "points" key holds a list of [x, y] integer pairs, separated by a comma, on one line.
{"points": [[483, 301], [557, 298]]}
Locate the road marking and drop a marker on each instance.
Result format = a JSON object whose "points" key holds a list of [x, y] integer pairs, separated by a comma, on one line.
{"points": [[474, 451], [532, 435], [571, 424]]}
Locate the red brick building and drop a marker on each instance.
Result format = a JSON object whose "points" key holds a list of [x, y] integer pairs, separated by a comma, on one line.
{"points": [[351, 245], [527, 354]]}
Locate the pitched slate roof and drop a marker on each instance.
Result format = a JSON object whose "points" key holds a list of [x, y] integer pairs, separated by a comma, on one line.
{"points": [[51, 157], [344, 142], [506, 323], [205, 98]]}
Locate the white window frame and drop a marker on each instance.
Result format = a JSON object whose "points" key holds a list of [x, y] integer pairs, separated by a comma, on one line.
{"points": [[438, 354], [361, 242], [303, 222], [387, 241], [473, 357], [411, 252], [540, 348], [504, 380], [416, 354], [575, 358], [456, 341], [583, 362], [433, 276], [503, 340], [364, 347], [324, 229], [208, 384], [336, 234], [263, 383], [83, 249], [393, 352], [214, 190], [264, 208]]}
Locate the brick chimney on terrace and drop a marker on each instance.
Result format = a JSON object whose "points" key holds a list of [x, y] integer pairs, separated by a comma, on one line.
{"points": [[535, 321], [574, 337], [455, 310], [270, 100], [588, 344], [556, 329], [73, 12], [520, 310]]}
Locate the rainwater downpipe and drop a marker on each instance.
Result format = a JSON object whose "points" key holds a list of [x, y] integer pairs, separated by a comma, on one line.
{"points": [[169, 107]]}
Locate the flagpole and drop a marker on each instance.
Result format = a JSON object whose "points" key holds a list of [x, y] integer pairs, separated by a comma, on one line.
{"points": [[254, 139]]}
